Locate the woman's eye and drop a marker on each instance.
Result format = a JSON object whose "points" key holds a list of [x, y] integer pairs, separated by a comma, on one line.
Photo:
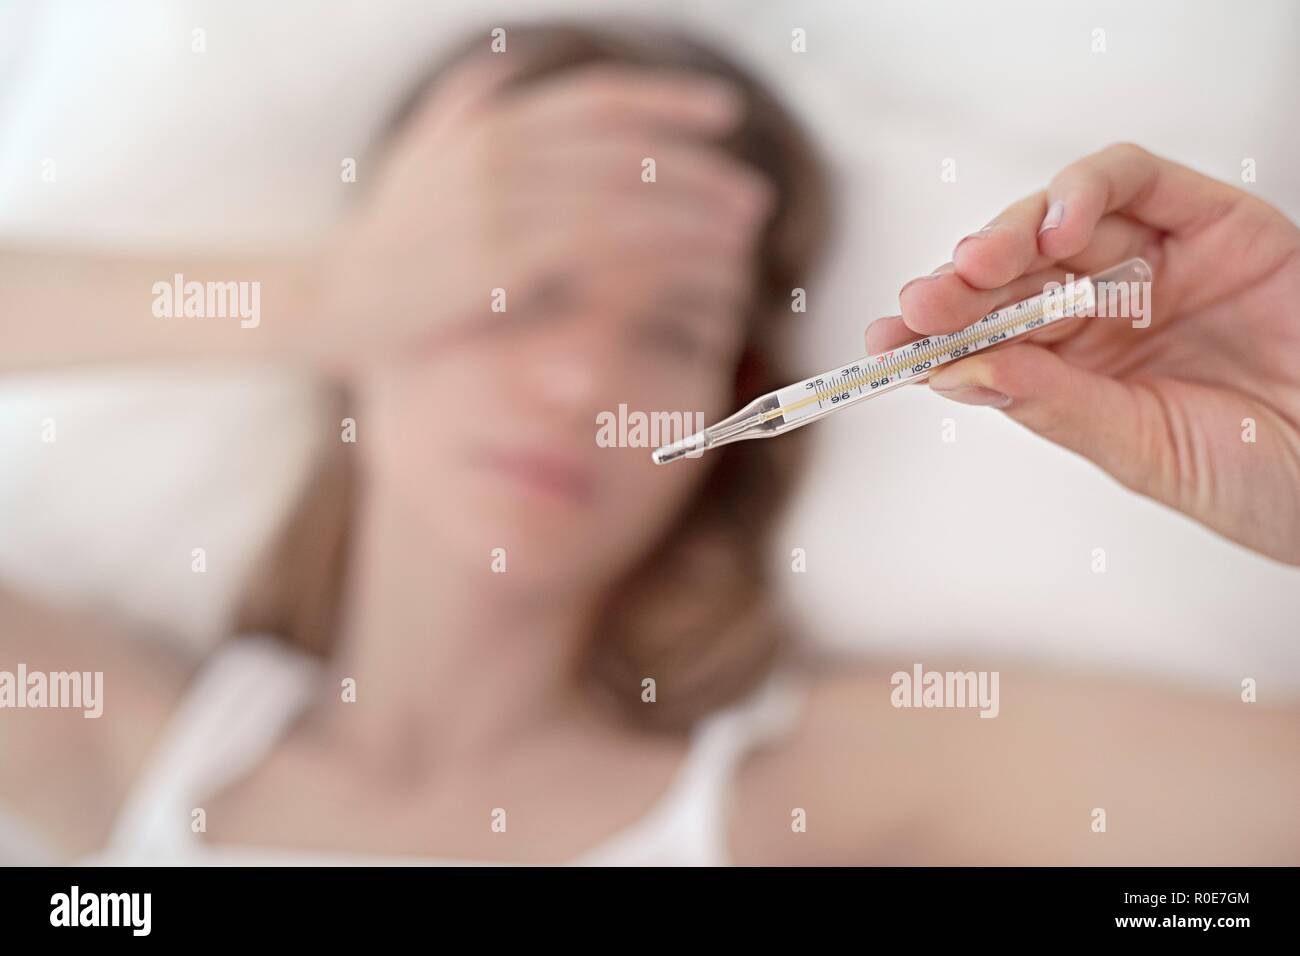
{"points": [[547, 302], [673, 337], [509, 319]]}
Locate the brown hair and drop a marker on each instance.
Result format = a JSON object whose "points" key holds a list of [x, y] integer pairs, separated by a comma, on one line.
{"points": [[695, 614]]}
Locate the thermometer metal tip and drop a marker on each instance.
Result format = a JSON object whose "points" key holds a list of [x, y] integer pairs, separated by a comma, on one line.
{"points": [[680, 449], [752, 421]]}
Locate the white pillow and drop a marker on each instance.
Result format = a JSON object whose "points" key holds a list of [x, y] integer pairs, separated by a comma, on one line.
{"points": [[143, 468]]}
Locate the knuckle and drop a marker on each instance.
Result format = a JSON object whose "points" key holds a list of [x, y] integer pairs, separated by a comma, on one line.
{"points": [[598, 90], [1127, 151], [591, 79], [994, 375], [604, 104]]}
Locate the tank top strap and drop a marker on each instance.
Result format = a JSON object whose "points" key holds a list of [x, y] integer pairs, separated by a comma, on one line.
{"points": [[235, 708], [723, 742], [689, 826]]}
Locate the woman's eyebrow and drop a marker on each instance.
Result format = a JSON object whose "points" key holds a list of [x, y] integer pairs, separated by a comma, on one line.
{"points": [[710, 315], [552, 290], [725, 313], [690, 297]]}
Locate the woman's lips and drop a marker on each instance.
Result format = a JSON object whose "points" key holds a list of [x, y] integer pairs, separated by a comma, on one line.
{"points": [[546, 472]]}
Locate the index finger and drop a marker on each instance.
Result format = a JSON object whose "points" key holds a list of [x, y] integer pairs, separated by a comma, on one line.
{"points": [[1126, 178], [948, 300]]}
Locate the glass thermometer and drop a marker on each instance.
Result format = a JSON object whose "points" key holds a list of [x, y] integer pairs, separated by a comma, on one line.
{"points": [[806, 401]]}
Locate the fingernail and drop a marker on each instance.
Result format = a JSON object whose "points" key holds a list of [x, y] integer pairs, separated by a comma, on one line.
{"points": [[974, 235], [942, 270], [912, 282], [1055, 213], [975, 395]]}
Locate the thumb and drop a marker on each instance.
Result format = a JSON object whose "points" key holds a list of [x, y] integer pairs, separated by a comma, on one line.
{"points": [[1095, 416]]}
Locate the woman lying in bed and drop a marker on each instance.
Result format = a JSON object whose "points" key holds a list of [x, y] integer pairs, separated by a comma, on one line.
{"points": [[483, 636]]}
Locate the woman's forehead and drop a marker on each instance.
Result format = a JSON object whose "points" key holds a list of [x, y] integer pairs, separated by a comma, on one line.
{"points": [[639, 291]]}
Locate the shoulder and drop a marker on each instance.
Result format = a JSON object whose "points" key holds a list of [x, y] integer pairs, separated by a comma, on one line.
{"points": [[66, 769], [871, 782], [830, 791]]}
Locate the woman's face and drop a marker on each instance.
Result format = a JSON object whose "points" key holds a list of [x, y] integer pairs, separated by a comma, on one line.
{"points": [[499, 437], [527, 429]]}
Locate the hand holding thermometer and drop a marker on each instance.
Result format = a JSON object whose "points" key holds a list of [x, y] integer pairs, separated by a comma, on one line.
{"points": [[803, 402]]}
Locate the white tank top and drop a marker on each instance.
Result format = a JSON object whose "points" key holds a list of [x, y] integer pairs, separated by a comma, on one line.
{"points": [[248, 693]]}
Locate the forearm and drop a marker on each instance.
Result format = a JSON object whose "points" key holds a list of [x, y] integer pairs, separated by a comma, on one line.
{"points": [[59, 310]]}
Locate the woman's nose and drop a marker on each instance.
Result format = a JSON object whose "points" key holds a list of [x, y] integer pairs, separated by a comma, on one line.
{"points": [[571, 369]]}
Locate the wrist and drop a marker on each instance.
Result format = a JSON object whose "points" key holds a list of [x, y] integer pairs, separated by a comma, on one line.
{"points": [[294, 315]]}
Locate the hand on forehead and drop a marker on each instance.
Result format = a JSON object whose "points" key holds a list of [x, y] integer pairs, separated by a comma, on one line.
{"points": [[601, 125]]}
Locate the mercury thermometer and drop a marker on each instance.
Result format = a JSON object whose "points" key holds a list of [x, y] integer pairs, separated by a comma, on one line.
{"points": [[803, 402]]}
